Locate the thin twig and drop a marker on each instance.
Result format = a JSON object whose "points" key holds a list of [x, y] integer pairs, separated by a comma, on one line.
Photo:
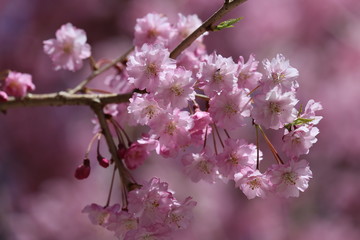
{"points": [[206, 26], [95, 73], [271, 146]]}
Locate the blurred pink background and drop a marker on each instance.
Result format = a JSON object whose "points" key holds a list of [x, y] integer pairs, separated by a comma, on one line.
{"points": [[40, 147]]}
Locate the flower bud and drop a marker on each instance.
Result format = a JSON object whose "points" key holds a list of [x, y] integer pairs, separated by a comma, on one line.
{"points": [[83, 170], [103, 161]]}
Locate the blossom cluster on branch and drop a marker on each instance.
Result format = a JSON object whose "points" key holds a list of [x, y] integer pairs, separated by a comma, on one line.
{"points": [[192, 108]]}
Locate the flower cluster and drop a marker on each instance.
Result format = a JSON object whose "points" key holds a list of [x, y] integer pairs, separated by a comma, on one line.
{"points": [[152, 213], [184, 102]]}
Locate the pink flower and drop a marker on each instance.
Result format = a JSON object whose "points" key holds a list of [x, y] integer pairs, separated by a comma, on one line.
{"points": [[148, 66], [69, 48], [18, 84], [252, 183], [135, 155], [217, 74], [173, 129], [236, 156], [201, 127], [151, 202], [153, 29], [200, 166], [280, 73], [229, 109], [177, 89], [299, 141], [3, 96], [309, 112], [274, 109], [99, 215], [121, 223], [143, 109], [180, 215], [290, 178], [246, 73]]}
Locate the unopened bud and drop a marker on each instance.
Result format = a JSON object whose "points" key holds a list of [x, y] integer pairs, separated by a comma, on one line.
{"points": [[83, 170], [103, 161]]}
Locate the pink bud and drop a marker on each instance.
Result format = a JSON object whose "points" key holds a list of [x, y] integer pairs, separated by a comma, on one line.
{"points": [[103, 161], [83, 171], [121, 151], [3, 96]]}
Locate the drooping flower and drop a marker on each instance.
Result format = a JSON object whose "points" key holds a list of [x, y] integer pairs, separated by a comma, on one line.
{"points": [[69, 49], [237, 155], [200, 166], [252, 183], [143, 109], [148, 66], [229, 109], [177, 89], [246, 73], [299, 140], [280, 73], [310, 112], [135, 155], [289, 178], [18, 84], [154, 28], [180, 215], [217, 74], [99, 215], [274, 109]]}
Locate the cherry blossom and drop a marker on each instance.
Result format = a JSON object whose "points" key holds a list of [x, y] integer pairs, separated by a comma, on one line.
{"points": [[200, 166], [143, 109], [252, 183], [229, 109], [154, 28], [246, 73], [135, 155], [289, 178], [99, 215], [299, 141], [17, 84], [274, 109], [280, 73], [69, 48], [148, 66]]}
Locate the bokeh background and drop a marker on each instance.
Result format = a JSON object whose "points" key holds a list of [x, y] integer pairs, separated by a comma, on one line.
{"points": [[40, 147]]}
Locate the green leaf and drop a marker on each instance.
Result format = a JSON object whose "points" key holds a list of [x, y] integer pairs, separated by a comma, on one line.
{"points": [[227, 24], [300, 121]]}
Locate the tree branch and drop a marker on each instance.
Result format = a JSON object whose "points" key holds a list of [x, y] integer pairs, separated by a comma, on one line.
{"points": [[206, 26], [64, 98]]}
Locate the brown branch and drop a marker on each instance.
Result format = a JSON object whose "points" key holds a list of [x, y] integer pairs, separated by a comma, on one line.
{"points": [[95, 73], [123, 172], [64, 98], [206, 26]]}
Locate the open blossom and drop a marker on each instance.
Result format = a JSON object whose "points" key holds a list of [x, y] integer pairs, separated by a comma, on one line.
{"points": [[274, 109], [176, 89], [299, 140], [237, 155], [154, 28], [229, 109], [148, 66], [172, 129], [246, 73], [69, 48], [143, 109], [18, 84], [289, 178], [180, 214], [280, 73], [200, 166], [121, 223], [217, 74], [252, 183], [99, 215], [309, 112]]}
